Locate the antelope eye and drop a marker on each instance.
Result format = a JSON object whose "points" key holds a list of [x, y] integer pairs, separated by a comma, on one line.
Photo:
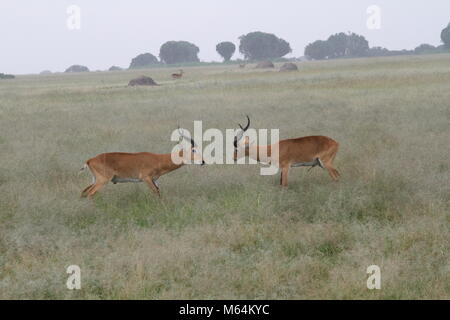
{"points": [[194, 151]]}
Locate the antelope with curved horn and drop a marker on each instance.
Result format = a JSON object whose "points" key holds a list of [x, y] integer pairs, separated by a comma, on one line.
{"points": [[119, 167], [177, 75], [299, 152]]}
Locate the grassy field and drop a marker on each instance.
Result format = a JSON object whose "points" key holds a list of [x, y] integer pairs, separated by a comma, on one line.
{"points": [[224, 231]]}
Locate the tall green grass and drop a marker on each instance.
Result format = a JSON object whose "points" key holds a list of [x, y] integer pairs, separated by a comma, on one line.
{"points": [[224, 231]]}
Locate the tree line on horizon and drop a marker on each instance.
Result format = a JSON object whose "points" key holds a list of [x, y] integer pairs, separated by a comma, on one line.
{"points": [[351, 45], [258, 46]]}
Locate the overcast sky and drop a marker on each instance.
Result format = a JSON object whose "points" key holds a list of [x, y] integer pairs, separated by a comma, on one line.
{"points": [[34, 35]]}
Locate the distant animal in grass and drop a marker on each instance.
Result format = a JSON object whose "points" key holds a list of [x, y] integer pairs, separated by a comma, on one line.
{"points": [[242, 65], [177, 75]]}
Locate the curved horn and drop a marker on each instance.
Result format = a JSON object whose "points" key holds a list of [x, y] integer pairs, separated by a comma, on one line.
{"points": [[248, 124], [180, 131], [241, 133]]}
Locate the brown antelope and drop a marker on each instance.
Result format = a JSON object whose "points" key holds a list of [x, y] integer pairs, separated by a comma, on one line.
{"points": [[242, 65], [119, 167], [177, 75], [305, 151]]}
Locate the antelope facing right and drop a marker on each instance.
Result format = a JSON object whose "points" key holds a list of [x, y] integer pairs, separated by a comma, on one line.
{"points": [[120, 167], [299, 152]]}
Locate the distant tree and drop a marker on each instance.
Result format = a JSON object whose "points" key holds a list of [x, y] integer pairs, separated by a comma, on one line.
{"points": [[259, 45], [338, 45], [424, 48], [318, 50], [143, 60], [115, 68], [445, 36], [356, 46], [77, 68], [350, 45], [6, 76], [178, 52], [226, 50]]}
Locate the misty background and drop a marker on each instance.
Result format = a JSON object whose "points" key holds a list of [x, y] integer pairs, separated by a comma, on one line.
{"points": [[35, 36]]}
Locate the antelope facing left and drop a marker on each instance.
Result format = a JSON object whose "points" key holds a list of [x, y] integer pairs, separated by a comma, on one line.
{"points": [[299, 152], [119, 167]]}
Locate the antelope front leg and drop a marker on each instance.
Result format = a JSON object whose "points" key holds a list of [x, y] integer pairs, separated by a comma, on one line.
{"points": [[97, 186]]}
